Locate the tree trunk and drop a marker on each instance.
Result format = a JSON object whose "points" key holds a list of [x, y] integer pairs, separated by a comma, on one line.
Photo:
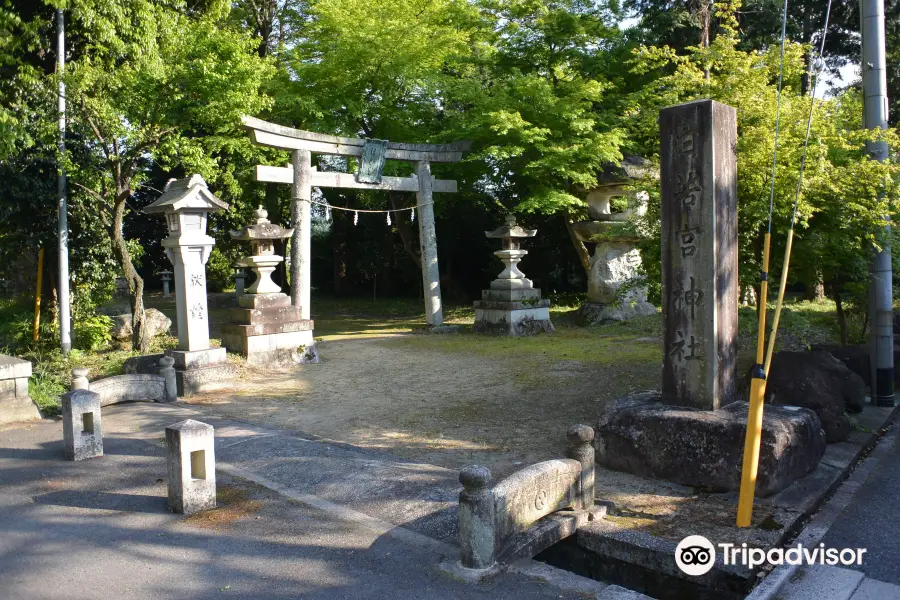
{"points": [[410, 244], [583, 255], [139, 340], [842, 318]]}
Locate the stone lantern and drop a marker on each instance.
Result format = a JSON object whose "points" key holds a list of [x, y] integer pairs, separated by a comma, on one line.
{"points": [[267, 329], [186, 204], [263, 261], [615, 260], [512, 305], [166, 277]]}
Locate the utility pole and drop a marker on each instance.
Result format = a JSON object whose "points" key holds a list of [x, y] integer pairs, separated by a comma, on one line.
{"points": [[881, 315], [65, 321]]}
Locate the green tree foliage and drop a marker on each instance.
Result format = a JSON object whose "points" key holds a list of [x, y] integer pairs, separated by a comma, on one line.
{"points": [[152, 83], [845, 196]]}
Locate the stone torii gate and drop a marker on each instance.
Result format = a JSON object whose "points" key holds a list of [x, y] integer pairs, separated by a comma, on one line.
{"points": [[372, 153]]}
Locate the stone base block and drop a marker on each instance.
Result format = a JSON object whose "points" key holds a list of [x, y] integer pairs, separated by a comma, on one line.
{"points": [[509, 306], [287, 347], [264, 300], [15, 403], [17, 408], [265, 329], [511, 295], [595, 313], [638, 434], [512, 321], [254, 316], [204, 379], [194, 359], [512, 284]]}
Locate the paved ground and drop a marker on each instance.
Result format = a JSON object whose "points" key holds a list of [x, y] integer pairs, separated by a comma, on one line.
{"points": [[321, 521], [872, 520]]}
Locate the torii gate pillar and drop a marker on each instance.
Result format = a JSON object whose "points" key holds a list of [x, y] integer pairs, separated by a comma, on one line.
{"points": [[431, 276], [301, 242]]}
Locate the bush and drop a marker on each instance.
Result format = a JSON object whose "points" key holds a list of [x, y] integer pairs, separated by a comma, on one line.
{"points": [[92, 332]]}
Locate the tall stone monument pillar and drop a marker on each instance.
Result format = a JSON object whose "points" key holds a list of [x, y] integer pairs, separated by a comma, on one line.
{"points": [[186, 204], [692, 432], [699, 253]]}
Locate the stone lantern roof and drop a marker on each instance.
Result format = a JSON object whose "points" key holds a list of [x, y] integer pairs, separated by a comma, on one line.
{"points": [[631, 167], [188, 193], [262, 230], [511, 230]]}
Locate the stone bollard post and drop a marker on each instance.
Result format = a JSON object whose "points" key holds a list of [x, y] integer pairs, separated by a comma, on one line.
{"points": [[82, 432], [79, 379], [192, 467], [167, 370], [581, 448], [476, 519]]}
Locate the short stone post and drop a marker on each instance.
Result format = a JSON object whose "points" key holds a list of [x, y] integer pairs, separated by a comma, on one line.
{"points": [[192, 467], [476, 519], [581, 449], [167, 370], [79, 379], [82, 430]]}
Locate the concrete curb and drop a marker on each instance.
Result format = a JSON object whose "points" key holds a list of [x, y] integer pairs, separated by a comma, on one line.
{"points": [[818, 526]]}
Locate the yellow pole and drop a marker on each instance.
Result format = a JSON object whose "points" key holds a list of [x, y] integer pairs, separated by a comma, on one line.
{"points": [[757, 396], [781, 286], [37, 296]]}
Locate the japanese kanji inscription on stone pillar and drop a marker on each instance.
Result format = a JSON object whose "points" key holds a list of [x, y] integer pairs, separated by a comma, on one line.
{"points": [[699, 253]]}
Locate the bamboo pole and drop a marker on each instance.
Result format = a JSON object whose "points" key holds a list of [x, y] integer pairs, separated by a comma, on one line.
{"points": [[780, 303], [752, 439], [37, 295]]}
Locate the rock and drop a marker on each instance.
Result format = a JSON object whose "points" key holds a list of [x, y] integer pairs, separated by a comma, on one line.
{"points": [[594, 313], [820, 382], [157, 324], [699, 448], [855, 358]]}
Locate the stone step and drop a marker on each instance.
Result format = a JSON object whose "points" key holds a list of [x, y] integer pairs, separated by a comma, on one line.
{"points": [[255, 316], [246, 331]]}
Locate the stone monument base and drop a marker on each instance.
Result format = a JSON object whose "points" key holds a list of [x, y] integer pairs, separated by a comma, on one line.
{"points": [[267, 330], [598, 313], [513, 312], [15, 403], [704, 449], [199, 371]]}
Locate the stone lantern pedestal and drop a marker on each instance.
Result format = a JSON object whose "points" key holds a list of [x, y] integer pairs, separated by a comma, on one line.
{"points": [[512, 306], [267, 329], [186, 204]]}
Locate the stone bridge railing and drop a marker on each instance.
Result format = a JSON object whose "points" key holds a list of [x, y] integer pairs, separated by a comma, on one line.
{"points": [[528, 511], [131, 388]]}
